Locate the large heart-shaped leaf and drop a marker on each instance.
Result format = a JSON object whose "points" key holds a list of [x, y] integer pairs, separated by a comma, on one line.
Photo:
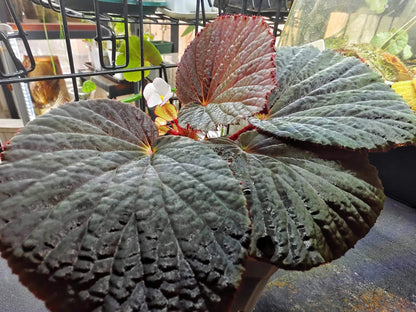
{"points": [[329, 99], [98, 214], [307, 207], [226, 72]]}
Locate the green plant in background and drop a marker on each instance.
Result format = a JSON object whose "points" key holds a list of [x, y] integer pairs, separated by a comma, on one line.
{"points": [[387, 65], [377, 6], [88, 86], [188, 30], [100, 213], [47, 40], [388, 53], [118, 28], [395, 41], [151, 56], [132, 98]]}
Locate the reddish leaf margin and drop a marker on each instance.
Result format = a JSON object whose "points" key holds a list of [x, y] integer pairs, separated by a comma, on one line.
{"points": [[227, 72]]}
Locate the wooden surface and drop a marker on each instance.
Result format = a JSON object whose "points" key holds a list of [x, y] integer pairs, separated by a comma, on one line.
{"points": [[378, 275], [39, 26]]}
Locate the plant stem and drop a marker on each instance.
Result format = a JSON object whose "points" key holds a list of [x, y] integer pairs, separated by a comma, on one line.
{"points": [[399, 33], [47, 40], [237, 134], [61, 29], [132, 98], [254, 280]]}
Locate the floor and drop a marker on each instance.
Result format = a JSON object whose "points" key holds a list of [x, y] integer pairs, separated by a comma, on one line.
{"points": [[378, 275]]}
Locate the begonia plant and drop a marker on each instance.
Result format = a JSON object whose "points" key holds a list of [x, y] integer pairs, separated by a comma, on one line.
{"points": [[101, 212]]}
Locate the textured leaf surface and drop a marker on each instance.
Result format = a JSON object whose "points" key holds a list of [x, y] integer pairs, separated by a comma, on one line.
{"points": [[98, 214], [307, 207], [326, 98], [226, 72]]}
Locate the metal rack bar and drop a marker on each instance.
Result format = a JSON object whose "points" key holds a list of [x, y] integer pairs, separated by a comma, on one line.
{"points": [[101, 21], [69, 50], [102, 34], [20, 69], [84, 74], [142, 103], [9, 98]]}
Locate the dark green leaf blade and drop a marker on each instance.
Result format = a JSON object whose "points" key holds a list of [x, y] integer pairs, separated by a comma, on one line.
{"points": [[326, 98], [96, 213], [226, 72], [307, 207]]}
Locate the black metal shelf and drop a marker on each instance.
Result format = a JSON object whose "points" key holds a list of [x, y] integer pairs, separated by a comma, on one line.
{"points": [[36, 30], [102, 33]]}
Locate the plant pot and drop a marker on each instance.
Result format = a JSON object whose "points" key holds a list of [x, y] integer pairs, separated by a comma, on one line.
{"points": [[114, 6], [81, 95], [397, 171], [46, 94], [163, 46]]}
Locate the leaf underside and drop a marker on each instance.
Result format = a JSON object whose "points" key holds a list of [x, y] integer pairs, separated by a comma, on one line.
{"points": [[307, 207], [226, 72], [328, 99], [98, 214]]}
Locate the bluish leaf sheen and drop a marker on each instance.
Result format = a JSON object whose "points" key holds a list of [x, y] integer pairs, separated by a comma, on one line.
{"points": [[308, 206], [98, 214], [329, 99]]}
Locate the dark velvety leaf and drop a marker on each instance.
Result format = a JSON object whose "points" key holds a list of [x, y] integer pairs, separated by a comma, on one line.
{"points": [[326, 98], [307, 207], [98, 214], [226, 72]]}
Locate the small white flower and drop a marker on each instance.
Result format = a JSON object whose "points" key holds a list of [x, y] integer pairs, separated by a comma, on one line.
{"points": [[157, 93]]}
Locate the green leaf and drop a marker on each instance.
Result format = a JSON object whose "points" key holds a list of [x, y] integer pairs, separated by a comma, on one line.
{"points": [[188, 30], [132, 98], [308, 206], [119, 28], [329, 99], [226, 73], [407, 52], [378, 6], [133, 63], [88, 86], [391, 42], [148, 36], [151, 53], [152, 56], [98, 214]]}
